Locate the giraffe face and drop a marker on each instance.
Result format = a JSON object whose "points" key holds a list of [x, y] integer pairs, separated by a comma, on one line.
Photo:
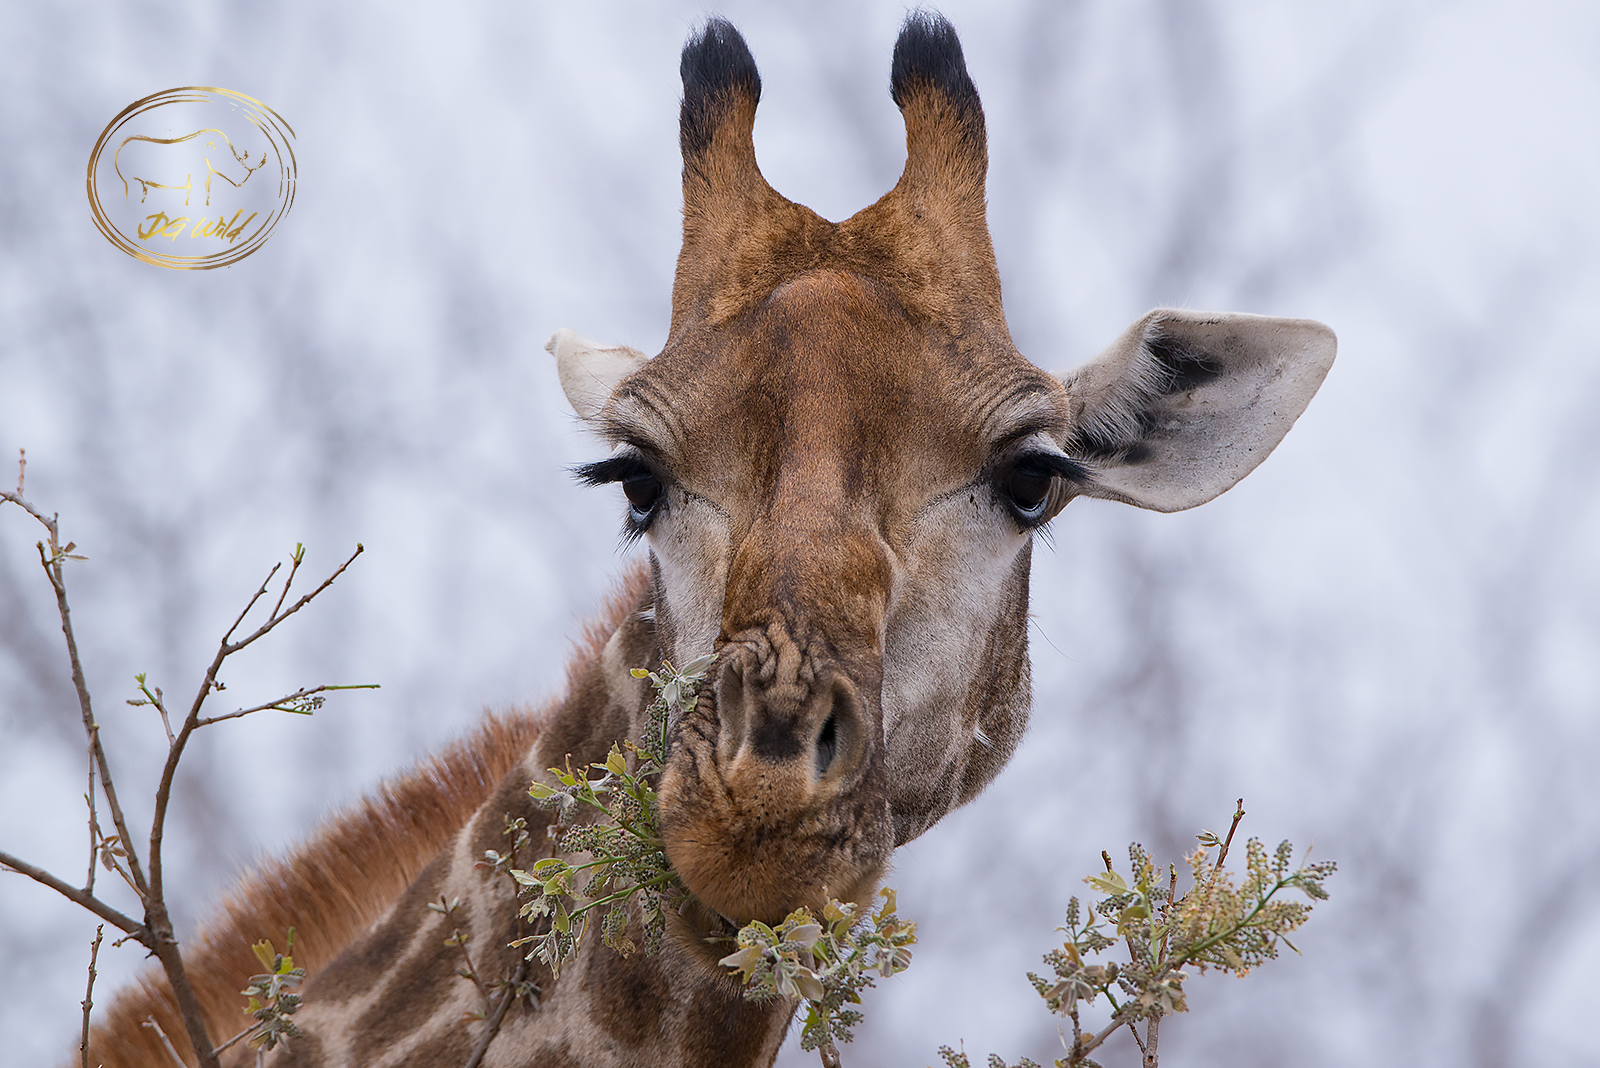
{"points": [[838, 462], [809, 477]]}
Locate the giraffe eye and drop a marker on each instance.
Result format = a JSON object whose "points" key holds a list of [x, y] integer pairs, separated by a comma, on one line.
{"points": [[643, 491], [1026, 486], [640, 484], [1034, 483]]}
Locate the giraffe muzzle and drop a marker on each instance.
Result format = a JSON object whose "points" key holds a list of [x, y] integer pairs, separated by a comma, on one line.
{"points": [[775, 793]]}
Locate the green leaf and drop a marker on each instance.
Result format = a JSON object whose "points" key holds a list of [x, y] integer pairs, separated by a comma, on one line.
{"points": [[806, 935], [810, 987], [616, 763], [1109, 883], [745, 960], [540, 792], [698, 665]]}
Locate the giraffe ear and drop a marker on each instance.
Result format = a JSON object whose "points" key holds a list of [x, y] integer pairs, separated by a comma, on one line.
{"points": [[589, 373], [1185, 404]]}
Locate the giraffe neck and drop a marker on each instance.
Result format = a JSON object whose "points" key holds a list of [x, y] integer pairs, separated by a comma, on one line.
{"points": [[394, 997]]}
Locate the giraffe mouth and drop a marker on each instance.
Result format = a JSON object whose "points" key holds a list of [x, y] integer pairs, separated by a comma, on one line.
{"points": [[775, 793]]}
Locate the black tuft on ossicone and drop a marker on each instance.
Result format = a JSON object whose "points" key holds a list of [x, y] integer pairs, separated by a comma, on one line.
{"points": [[716, 63], [929, 52]]}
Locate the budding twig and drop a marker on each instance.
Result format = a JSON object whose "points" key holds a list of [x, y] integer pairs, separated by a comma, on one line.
{"points": [[1238, 815], [88, 996], [295, 702]]}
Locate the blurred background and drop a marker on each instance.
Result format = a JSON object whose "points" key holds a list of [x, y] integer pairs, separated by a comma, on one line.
{"points": [[1387, 639]]}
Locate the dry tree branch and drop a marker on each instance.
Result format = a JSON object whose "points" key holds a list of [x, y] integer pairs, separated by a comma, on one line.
{"points": [[53, 570], [94, 828], [88, 995], [1238, 814], [491, 1026], [156, 933], [93, 904], [150, 1022]]}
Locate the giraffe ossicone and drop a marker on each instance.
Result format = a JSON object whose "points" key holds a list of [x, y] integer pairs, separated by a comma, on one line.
{"points": [[838, 462]]}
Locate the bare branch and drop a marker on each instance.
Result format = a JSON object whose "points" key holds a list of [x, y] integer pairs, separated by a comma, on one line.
{"points": [[260, 593], [491, 1026], [150, 1022], [72, 893], [164, 944], [1238, 815], [88, 996], [94, 826], [53, 570], [277, 617], [294, 568], [235, 1039]]}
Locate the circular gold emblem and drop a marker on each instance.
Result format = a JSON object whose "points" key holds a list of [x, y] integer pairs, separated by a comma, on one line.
{"points": [[192, 178]]}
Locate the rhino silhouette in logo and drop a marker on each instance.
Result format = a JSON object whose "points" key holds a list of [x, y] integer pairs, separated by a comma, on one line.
{"points": [[154, 163]]}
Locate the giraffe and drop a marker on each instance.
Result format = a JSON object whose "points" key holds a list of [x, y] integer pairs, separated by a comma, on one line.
{"points": [[838, 462]]}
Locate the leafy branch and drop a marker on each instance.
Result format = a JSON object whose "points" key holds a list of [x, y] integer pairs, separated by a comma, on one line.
{"points": [[828, 964], [1214, 924], [613, 817]]}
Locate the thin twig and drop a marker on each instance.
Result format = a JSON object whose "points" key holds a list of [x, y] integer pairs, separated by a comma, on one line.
{"points": [[22, 468], [72, 893], [294, 568], [53, 570], [94, 827], [161, 707], [470, 972], [277, 617], [1237, 816], [260, 593], [150, 1021], [242, 1034], [1153, 1034], [491, 1026], [279, 704], [88, 995]]}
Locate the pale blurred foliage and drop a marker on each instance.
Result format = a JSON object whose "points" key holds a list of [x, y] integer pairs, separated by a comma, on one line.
{"points": [[1387, 639]]}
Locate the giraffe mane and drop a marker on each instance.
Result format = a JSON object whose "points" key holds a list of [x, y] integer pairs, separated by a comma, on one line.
{"points": [[342, 880]]}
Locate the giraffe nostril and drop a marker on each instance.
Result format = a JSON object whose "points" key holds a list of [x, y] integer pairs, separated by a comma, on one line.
{"points": [[827, 746]]}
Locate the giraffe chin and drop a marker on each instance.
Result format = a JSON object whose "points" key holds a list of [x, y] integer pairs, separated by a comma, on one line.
{"points": [[746, 858]]}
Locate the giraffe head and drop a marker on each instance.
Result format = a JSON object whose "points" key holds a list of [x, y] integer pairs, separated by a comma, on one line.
{"points": [[839, 461]]}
